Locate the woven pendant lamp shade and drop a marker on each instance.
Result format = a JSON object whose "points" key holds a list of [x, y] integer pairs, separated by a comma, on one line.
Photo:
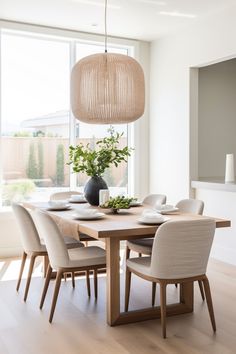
{"points": [[107, 88]]}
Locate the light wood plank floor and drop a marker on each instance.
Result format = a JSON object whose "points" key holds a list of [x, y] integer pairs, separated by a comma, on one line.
{"points": [[80, 323]]}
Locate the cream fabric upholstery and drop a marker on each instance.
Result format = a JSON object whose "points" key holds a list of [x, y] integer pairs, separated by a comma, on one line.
{"points": [[141, 265], [58, 255], [191, 206], [142, 245], [30, 239], [145, 245], [66, 227], [62, 195], [180, 250], [70, 242], [29, 236], [154, 199], [87, 256]]}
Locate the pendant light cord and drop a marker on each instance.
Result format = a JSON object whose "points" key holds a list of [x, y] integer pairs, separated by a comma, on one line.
{"points": [[105, 26]]}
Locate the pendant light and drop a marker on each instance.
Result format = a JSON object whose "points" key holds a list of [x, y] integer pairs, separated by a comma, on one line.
{"points": [[107, 88]]}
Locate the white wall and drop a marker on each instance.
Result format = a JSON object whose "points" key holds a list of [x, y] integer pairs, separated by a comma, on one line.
{"points": [[141, 131], [217, 117], [210, 40]]}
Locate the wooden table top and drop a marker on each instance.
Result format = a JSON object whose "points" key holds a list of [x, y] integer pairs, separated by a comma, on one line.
{"points": [[124, 225]]}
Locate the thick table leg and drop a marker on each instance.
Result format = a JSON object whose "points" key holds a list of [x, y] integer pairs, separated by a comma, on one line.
{"points": [[186, 295], [113, 280], [114, 316]]}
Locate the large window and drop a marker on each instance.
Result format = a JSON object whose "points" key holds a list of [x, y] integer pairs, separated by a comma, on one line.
{"points": [[36, 118]]}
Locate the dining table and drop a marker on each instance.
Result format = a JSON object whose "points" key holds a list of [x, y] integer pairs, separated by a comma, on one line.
{"points": [[112, 229]]}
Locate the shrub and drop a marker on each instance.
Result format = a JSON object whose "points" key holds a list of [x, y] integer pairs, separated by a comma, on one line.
{"points": [[60, 162], [40, 159], [32, 170], [17, 191]]}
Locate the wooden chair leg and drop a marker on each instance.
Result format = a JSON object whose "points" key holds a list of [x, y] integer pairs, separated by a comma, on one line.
{"points": [[73, 279], [55, 295], [154, 285], [140, 254], [24, 256], [201, 289], [127, 288], [45, 288], [45, 265], [65, 276], [95, 275], [209, 302], [88, 282], [127, 252], [31, 268], [176, 285], [163, 308]]}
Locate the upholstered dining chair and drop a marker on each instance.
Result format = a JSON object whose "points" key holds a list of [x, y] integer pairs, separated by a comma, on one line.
{"points": [[144, 246], [191, 206], [32, 245], [180, 254], [139, 245], [154, 199], [66, 195], [63, 260], [63, 195]]}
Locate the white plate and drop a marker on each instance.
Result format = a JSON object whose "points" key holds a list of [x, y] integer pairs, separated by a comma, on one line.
{"points": [[89, 217], [77, 201], [152, 222], [168, 211], [59, 208], [135, 203]]}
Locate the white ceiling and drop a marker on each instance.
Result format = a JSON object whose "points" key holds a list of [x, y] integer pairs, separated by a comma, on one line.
{"points": [[140, 19]]}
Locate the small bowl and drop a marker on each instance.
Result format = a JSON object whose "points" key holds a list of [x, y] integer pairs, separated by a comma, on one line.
{"points": [[77, 197], [87, 212], [58, 203]]}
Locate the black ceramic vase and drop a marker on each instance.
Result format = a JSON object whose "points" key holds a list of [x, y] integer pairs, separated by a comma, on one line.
{"points": [[92, 188]]}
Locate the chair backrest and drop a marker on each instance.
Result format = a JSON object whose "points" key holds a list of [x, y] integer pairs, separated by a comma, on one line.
{"points": [[29, 235], [181, 248], [154, 199], [191, 206], [50, 233], [62, 195]]}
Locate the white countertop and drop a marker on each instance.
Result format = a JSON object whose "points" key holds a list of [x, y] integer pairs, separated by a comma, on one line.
{"points": [[215, 183]]}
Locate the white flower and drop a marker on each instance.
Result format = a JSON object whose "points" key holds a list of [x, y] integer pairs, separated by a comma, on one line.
{"points": [[113, 155]]}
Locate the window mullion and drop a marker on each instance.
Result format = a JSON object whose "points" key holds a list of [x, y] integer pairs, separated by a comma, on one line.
{"points": [[72, 138]]}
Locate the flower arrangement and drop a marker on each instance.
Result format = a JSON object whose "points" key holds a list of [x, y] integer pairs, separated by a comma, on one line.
{"points": [[94, 161]]}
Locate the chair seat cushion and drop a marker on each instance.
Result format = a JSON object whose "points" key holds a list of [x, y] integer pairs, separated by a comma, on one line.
{"points": [[43, 248], [86, 256], [69, 241], [141, 264], [84, 237], [142, 245], [72, 243]]}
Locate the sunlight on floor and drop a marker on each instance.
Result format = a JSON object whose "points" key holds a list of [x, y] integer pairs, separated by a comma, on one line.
{"points": [[9, 269]]}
